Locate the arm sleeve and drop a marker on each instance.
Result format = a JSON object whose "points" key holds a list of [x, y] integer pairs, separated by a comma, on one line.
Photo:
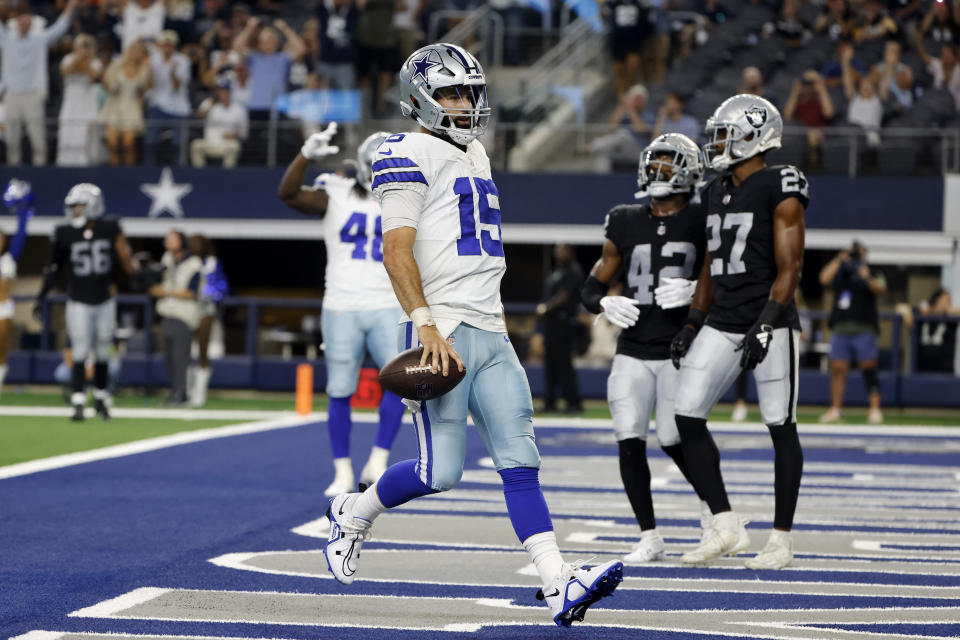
{"points": [[401, 208]]}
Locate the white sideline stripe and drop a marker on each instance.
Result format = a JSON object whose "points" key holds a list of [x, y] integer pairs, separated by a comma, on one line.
{"points": [[159, 412], [109, 608], [39, 635], [150, 444], [55, 635]]}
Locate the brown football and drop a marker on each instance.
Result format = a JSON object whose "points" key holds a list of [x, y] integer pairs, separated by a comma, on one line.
{"points": [[405, 377]]}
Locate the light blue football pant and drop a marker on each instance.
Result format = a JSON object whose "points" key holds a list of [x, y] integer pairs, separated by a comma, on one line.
{"points": [[347, 336], [90, 328], [494, 391]]}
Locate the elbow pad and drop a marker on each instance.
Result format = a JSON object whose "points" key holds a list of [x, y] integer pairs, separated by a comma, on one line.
{"points": [[591, 293]]}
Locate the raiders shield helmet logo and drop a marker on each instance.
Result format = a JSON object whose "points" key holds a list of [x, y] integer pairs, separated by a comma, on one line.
{"points": [[756, 116]]}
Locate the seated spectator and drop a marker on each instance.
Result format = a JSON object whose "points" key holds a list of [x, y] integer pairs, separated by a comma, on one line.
{"points": [[937, 322], [789, 26], [864, 107], [874, 22], [752, 82], [141, 20], [336, 32], [894, 79], [269, 66], [835, 20], [672, 119], [942, 24], [225, 125], [169, 99], [629, 27], [809, 104], [832, 70], [633, 123], [127, 80], [945, 69], [81, 71]]}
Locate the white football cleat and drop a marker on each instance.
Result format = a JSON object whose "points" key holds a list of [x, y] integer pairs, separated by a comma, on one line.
{"points": [[706, 521], [347, 535], [649, 549], [777, 554], [572, 592], [726, 536]]}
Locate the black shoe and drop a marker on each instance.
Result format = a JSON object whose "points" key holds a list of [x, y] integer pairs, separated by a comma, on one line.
{"points": [[77, 413], [101, 408]]}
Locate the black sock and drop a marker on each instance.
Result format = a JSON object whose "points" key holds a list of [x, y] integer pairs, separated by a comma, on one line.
{"points": [[100, 376], [787, 470], [78, 376], [636, 480], [703, 462], [675, 451]]}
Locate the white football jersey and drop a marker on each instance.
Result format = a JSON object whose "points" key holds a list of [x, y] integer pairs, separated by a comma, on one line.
{"points": [[355, 279], [458, 249]]}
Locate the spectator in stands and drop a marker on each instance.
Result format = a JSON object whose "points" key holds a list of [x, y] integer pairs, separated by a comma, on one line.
{"points": [[406, 24], [303, 72], [377, 56], [558, 310], [180, 18], [225, 126], [894, 79], [854, 324], [697, 32], [945, 69], [864, 107], [141, 20], [629, 27], [752, 82], [835, 20], [25, 80], [832, 70], [269, 65], [874, 22], [941, 23], [632, 123], [336, 32], [656, 48], [169, 101], [211, 12], [789, 25], [127, 80], [907, 13], [937, 322], [809, 104], [179, 306], [672, 119], [76, 141]]}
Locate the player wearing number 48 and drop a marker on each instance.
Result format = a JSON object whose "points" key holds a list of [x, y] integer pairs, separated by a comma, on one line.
{"points": [[444, 255], [360, 311]]}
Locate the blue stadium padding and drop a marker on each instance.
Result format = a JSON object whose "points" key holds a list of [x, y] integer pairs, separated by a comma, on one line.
{"points": [[20, 364]]}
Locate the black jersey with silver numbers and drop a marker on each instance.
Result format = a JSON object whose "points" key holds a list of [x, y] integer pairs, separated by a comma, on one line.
{"points": [[741, 244], [88, 255], [652, 248]]}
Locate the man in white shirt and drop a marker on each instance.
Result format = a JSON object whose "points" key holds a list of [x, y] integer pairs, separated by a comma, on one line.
{"points": [[224, 128], [24, 73], [169, 100], [142, 20]]}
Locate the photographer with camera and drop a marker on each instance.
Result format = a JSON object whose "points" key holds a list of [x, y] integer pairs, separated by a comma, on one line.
{"points": [[854, 326]]}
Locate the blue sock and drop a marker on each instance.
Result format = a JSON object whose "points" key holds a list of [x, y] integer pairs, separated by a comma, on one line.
{"points": [[391, 413], [338, 422], [525, 503], [400, 483]]}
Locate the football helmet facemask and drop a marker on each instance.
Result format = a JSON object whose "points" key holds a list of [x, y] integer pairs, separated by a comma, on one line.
{"points": [[742, 126], [670, 165], [449, 71], [90, 196], [366, 154]]}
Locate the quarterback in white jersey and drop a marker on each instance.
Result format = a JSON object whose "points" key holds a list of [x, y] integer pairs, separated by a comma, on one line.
{"points": [[360, 311], [444, 255]]}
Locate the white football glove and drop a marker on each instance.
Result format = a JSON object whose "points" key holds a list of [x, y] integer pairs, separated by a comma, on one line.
{"points": [[674, 292], [620, 310], [318, 145]]}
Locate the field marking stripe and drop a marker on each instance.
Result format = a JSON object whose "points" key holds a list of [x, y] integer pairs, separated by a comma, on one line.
{"points": [[149, 444], [109, 608], [55, 635]]}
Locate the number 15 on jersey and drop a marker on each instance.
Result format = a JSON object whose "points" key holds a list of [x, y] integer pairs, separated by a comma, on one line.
{"points": [[471, 244]]}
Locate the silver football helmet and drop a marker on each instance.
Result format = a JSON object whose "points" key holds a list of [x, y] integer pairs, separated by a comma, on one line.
{"points": [[87, 194], [741, 127], [679, 154], [442, 66], [366, 154]]}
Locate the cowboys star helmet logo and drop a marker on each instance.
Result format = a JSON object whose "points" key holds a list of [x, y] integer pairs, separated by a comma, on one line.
{"points": [[423, 64], [756, 116]]}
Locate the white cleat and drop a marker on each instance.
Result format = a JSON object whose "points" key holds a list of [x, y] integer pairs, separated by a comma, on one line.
{"points": [[777, 554], [649, 549], [572, 592], [347, 535], [739, 412], [726, 536], [706, 521]]}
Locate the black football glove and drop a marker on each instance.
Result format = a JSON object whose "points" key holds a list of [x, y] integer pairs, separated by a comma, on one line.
{"points": [[681, 344], [755, 345]]}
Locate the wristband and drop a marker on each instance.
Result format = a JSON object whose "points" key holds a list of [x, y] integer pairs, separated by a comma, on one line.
{"points": [[695, 319], [421, 317]]}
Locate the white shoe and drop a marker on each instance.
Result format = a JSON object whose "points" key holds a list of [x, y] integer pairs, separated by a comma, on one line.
{"points": [[342, 478], [728, 533], [347, 535], [875, 416], [649, 549], [739, 412], [777, 554], [831, 416], [201, 381], [572, 592], [376, 465], [706, 521]]}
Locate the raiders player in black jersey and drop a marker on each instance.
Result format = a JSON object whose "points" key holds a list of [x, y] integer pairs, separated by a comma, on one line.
{"points": [[755, 232], [658, 250], [89, 249]]}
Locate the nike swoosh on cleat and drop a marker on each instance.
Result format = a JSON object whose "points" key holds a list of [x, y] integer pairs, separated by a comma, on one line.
{"points": [[387, 152], [551, 595]]}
